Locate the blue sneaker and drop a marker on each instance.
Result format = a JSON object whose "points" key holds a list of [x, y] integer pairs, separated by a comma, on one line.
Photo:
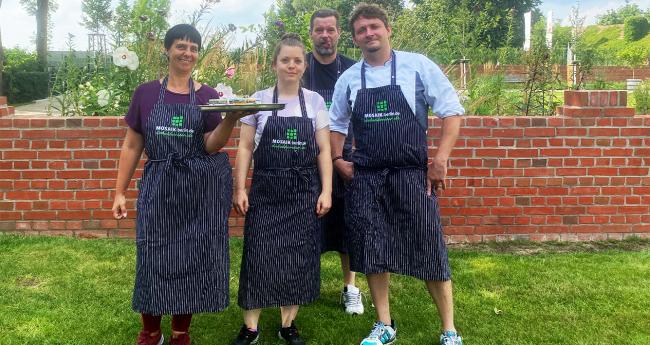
{"points": [[381, 334], [450, 338]]}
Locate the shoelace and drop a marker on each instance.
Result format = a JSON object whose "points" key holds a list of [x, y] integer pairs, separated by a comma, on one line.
{"points": [[351, 298], [449, 340], [377, 330]]}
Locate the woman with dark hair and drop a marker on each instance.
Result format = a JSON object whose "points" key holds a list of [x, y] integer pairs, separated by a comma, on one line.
{"points": [[182, 263], [291, 189]]}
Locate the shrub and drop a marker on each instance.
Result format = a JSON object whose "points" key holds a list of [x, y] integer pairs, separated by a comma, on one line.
{"points": [[26, 86], [635, 28], [642, 98]]}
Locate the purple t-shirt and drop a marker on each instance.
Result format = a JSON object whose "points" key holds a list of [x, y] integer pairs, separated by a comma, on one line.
{"points": [[146, 96]]}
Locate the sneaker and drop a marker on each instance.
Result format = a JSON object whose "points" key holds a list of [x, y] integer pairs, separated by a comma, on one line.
{"points": [[145, 338], [450, 338], [246, 337], [183, 339], [381, 334], [351, 299], [290, 335]]}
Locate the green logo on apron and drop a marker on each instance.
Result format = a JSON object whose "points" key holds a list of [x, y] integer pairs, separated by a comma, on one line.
{"points": [[328, 104], [292, 134], [177, 121], [382, 106]]}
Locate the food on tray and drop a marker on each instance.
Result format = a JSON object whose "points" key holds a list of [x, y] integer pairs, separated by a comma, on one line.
{"points": [[232, 101]]}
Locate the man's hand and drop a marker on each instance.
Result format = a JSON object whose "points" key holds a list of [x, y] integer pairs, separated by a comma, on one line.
{"points": [[436, 173], [344, 168], [240, 202]]}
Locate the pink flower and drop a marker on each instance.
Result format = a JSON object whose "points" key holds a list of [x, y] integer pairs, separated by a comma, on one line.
{"points": [[230, 72]]}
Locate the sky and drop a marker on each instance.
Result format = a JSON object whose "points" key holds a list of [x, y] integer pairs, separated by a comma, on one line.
{"points": [[19, 29]]}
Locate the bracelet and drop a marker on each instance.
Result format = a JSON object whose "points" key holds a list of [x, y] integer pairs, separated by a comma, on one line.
{"points": [[336, 158]]}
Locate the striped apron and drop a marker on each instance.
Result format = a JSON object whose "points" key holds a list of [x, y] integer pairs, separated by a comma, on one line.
{"points": [[334, 227], [281, 260], [182, 262], [394, 226]]}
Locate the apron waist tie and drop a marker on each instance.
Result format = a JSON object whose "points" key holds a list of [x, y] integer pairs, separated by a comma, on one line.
{"points": [[172, 160]]}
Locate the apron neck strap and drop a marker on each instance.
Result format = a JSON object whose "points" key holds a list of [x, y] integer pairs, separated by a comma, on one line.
{"points": [[163, 88], [311, 70], [301, 96], [393, 71]]}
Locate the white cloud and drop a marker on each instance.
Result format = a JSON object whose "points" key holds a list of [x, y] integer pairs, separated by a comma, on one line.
{"points": [[19, 28]]}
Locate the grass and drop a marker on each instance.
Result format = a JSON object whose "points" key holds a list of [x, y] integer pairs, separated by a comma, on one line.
{"points": [[71, 291]]}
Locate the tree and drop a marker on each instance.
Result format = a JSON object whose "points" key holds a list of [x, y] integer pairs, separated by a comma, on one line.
{"points": [[634, 57], [2, 59], [41, 9], [96, 14], [618, 16], [448, 29]]}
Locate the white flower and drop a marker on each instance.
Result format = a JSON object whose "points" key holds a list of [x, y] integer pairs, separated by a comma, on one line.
{"points": [[103, 97], [224, 90], [120, 56], [132, 61]]}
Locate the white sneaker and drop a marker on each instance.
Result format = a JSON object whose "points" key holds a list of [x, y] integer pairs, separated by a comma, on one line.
{"points": [[351, 299]]}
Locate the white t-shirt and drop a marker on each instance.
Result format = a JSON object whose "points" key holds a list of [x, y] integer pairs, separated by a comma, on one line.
{"points": [[314, 104]]}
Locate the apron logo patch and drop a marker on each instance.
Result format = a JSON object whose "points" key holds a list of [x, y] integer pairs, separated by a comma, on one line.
{"points": [[382, 113], [177, 121], [175, 130], [292, 134], [328, 104], [382, 106], [291, 142]]}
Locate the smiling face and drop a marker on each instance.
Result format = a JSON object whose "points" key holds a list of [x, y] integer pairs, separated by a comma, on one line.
{"points": [[183, 55], [325, 35], [371, 35], [289, 65]]}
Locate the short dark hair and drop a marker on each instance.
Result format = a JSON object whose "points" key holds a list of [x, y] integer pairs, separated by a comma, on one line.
{"points": [[291, 40], [368, 11], [182, 32], [323, 13]]}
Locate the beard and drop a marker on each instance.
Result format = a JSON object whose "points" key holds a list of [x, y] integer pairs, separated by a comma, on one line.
{"points": [[325, 51], [373, 49]]}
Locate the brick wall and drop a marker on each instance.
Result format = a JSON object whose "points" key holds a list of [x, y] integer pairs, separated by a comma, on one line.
{"points": [[539, 178], [606, 73], [4, 108]]}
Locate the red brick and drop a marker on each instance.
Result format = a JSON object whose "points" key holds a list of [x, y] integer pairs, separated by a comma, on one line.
{"points": [[90, 154], [588, 152], [619, 111], [604, 132], [510, 132], [631, 132], [86, 195], [22, 195], [72, 174], [603, 98], [622, 100], [54, 154], [576, 98], [19, 155], [582, 111]]}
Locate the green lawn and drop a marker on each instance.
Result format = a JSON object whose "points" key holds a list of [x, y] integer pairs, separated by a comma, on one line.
{"points": [[71, 291]]}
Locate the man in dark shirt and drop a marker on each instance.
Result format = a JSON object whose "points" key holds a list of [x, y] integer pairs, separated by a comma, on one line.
{"points": [[325, 66]]}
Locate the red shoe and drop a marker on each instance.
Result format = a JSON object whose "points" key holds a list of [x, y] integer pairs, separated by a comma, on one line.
{"points": [[183, 339], [145, 338]]}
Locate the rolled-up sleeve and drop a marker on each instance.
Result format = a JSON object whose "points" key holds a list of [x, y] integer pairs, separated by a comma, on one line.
{"points": [[340, 108], [439, 92]]}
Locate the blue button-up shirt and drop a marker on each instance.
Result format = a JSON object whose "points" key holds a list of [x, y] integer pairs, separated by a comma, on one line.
{"points": [[422, 82]]}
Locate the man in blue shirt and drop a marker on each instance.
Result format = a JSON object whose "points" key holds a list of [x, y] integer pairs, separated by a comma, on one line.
{"points": [[391, 203], [325, 66]]}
